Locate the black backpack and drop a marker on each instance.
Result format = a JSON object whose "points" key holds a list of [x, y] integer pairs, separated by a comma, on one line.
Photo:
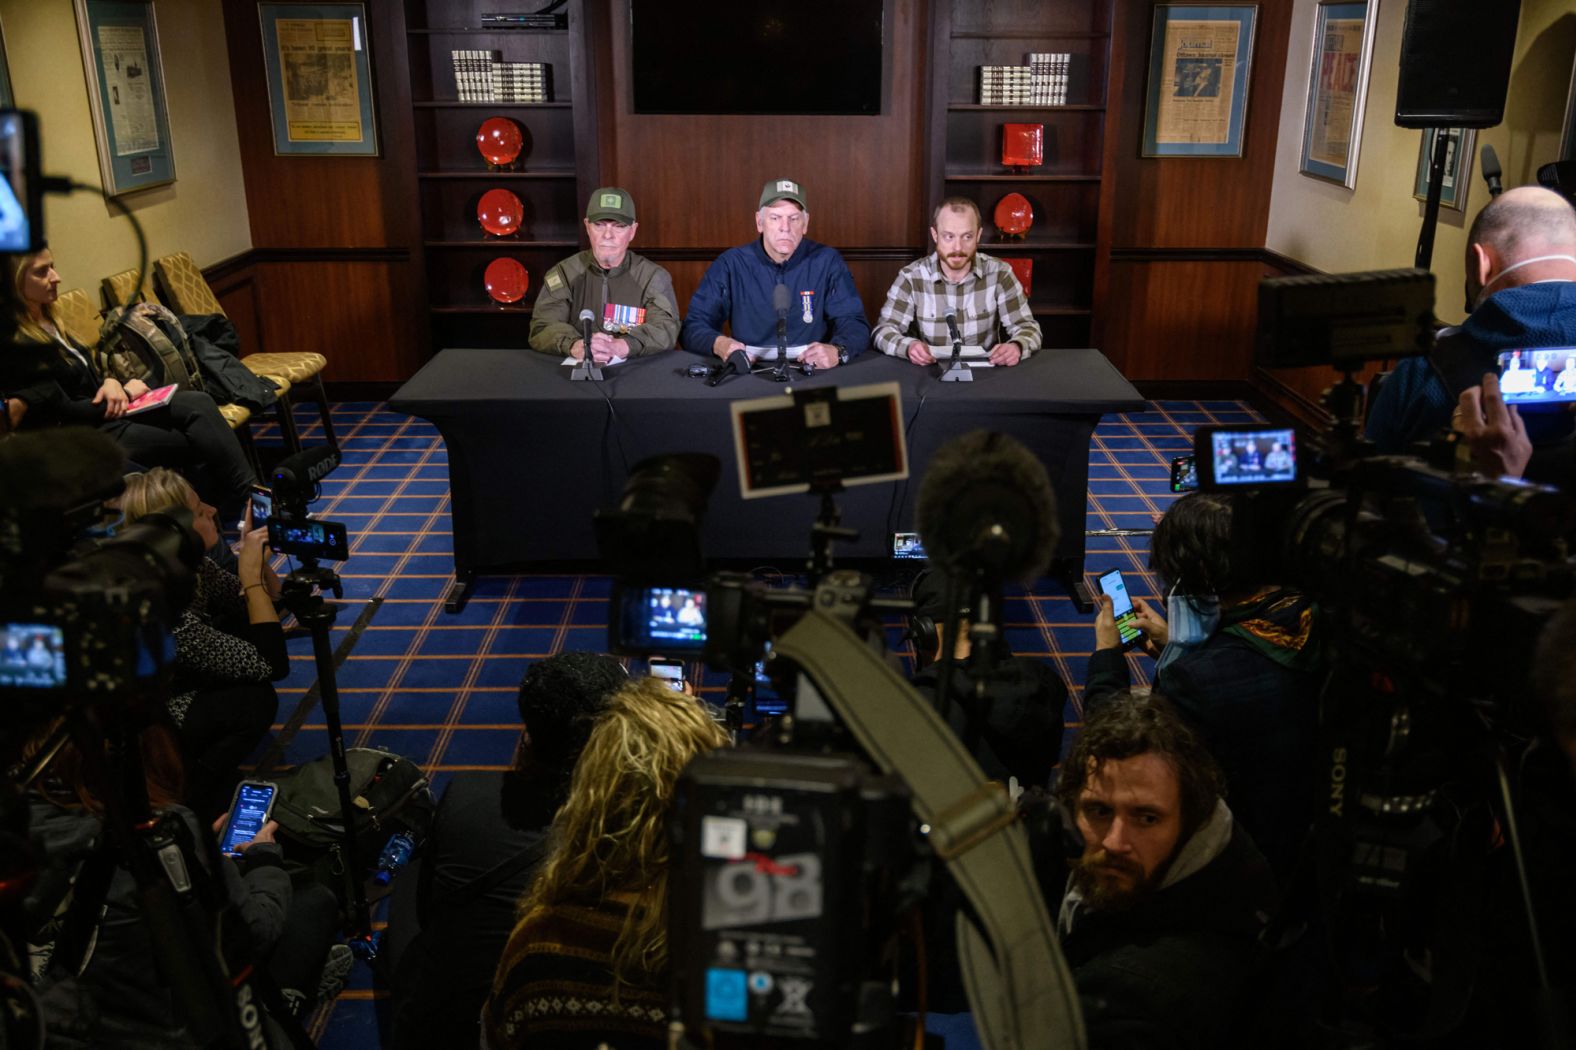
{"points": [[145, 341], [390, 795]]}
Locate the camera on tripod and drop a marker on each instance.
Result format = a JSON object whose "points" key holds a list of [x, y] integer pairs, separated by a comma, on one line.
{"points": [[291, 530]]}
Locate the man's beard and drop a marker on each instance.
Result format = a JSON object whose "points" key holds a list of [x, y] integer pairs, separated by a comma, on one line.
{"points": [[1107, 891], [959, 260]]}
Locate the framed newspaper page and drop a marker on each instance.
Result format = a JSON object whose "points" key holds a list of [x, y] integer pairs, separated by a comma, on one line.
{"points": [[1200, 59], [319, 68], [1343, 46], [131, 120], [1458, 166]]}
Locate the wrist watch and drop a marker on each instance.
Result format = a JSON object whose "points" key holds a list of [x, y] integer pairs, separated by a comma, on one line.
{"points": [[842, 353]]}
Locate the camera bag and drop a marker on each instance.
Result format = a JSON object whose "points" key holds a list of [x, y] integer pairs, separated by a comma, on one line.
{"points": [[389, 793]]}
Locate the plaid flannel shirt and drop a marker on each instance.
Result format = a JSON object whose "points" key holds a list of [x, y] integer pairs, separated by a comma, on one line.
{"points": [[990, 306]]}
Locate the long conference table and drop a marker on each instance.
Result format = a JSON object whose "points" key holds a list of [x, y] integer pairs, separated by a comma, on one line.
{"points": [[532, 454]]}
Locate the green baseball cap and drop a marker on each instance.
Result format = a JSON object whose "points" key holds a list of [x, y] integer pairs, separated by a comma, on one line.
{"points": [[782, 190], [611, 202]]}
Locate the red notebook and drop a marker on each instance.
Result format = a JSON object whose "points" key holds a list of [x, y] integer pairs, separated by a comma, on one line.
{"points": [[152, 399]]}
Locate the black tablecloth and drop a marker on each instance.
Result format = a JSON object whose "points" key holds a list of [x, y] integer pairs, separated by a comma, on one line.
{"points": [[531, 454]]}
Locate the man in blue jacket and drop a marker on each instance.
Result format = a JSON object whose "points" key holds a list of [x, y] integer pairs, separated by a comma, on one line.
{"points": [[1521, 291], [825, 316]]}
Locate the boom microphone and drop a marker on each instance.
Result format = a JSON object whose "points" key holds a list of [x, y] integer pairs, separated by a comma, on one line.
{"points": [[986, 505], [1491, 171]]}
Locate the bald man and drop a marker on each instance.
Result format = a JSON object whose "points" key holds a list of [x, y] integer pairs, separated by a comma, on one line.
{"points": [[1521, 293]]}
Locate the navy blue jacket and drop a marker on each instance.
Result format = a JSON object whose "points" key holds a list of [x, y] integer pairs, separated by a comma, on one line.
{"points": [[737, 288], [1415, 401]]}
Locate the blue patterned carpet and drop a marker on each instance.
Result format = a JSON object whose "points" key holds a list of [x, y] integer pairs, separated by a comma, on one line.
{"points": [[440, 688]]}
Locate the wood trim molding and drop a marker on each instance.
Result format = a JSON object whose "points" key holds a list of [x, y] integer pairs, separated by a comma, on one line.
{"points": [[1295, 404], [1288, 266], [877, 253], [228, 269]]}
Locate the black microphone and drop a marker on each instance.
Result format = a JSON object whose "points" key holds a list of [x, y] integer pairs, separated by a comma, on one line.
{"points": [[957, 340], [738, 363], [295, 475], [1491, 171], [986, 505], [587, 319]]}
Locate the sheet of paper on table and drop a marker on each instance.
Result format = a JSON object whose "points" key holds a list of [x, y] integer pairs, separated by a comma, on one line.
{"points": [[605, 364], [973, 356], [769, 353]]}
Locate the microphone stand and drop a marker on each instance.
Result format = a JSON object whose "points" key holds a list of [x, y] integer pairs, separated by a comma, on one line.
{"points": [[780, 373], [957, 371], [587, 368], [1436, 186]]}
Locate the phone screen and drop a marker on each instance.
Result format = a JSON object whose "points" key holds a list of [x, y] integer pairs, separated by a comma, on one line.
{"points": [[254, 801], [1114, 585], [1184, 474], [907, 545], [262, 506], [670, 671]]}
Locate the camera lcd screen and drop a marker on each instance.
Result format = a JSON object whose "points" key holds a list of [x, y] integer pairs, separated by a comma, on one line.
{"points": [[32, 656], [309, 539], [664, 618], [1538, 377], [1254, 457], [906, 545], [21, 214]]}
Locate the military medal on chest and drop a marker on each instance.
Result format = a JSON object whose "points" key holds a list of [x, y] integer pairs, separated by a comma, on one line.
{"points": [[808, 299]]}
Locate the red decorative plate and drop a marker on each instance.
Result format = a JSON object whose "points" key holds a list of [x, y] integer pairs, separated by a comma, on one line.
{"points": [[1022, 145], [506, 280], [1014, 215], [499, 212], [1023, 269], [499, 140]]}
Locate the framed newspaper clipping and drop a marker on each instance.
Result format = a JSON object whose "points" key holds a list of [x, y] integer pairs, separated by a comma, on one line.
{"points": [[1343, 46], [1200, 59], [131, 120], [319, 70]]}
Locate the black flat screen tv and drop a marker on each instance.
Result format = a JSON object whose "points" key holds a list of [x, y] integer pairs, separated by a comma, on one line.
{"points": [[747, 56]]}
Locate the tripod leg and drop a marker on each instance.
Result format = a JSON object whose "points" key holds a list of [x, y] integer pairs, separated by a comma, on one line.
{"points": [[360, 917]]}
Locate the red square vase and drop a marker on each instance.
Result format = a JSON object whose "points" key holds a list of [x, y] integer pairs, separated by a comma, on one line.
{"points": [[1023, 269], [1023, 145]]}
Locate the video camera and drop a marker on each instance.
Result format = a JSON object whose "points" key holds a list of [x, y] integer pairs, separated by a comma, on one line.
{"points": [[1433, 587], [796, 856], [291, 530]]}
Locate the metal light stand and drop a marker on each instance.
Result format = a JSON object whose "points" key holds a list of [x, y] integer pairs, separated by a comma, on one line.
{"points": [[1436, 185], [302, 595]]}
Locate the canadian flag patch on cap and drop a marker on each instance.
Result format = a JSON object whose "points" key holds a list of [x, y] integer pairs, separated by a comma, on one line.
{"points": [[784, 186], [612, 200]]}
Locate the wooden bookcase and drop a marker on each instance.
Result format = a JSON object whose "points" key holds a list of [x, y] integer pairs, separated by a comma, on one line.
{"points": [[451, 174], [964, 140]]}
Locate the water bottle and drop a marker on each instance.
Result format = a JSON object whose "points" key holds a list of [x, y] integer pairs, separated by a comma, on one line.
{"points": [[396, 854]]}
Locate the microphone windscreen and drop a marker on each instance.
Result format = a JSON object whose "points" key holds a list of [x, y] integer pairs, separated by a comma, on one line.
{"points": [[587, 315], [780, 298], [60, 469], [986, 505], [1490, 165]]}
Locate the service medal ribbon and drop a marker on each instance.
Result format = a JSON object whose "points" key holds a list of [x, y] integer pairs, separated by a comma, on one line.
{"points": [[621, 319], [808, 299]]}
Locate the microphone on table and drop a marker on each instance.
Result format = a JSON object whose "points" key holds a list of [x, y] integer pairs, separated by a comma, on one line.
{"points": [[780, 304], [587, 368], [956, 372], [738, 363], [1491, 171]]}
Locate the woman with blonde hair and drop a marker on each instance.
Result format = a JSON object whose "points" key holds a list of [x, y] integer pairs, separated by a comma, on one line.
{"points": [[229, 646], [50, 380], [587, 963]]}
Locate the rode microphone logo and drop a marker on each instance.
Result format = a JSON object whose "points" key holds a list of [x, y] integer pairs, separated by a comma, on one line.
{"points": [[251, 1021]]}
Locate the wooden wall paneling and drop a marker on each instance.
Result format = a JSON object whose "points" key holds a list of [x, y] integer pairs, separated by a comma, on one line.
{"points": [[306, 208], [357, 313], [696, 179], [1182, 319]]}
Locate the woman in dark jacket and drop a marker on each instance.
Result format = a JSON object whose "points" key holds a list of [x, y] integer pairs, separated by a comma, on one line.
{"points": [[1239, 659], [55, 382], [229, 646]]}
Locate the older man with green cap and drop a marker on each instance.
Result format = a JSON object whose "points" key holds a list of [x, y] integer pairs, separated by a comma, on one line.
{"points": [[630, 297]]}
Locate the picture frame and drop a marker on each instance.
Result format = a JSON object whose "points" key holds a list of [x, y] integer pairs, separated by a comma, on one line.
{"points": [[1338, 70], [1200, 65], [1458, 167], [317, 59], [126, 94], [7, 98]]}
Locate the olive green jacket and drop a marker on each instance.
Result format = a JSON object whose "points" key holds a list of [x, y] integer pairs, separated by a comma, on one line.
{"points": [[578, 283]]}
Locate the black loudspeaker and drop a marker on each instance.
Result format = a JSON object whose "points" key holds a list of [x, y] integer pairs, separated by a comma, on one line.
{"points": [[1455, 63]]}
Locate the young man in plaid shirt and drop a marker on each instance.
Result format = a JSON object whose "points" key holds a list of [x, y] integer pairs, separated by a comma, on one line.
{"points": [[981, 292]]}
